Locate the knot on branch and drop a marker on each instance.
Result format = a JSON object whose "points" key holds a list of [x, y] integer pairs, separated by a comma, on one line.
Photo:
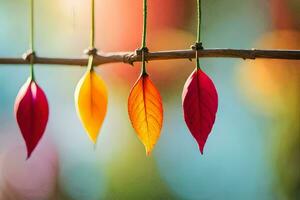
{"points": [[90, 51], [129, 58], [140, 51], [197, 46], [29, 56]]}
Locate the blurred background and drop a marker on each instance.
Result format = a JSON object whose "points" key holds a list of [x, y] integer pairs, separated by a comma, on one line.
{"points": [[253, 151]]}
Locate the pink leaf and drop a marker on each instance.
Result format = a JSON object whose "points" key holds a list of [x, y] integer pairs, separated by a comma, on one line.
{"points": [[200, 104], [31, 111]]}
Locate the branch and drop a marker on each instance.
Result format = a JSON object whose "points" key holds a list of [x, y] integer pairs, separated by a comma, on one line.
{"points": [[131, 57]]}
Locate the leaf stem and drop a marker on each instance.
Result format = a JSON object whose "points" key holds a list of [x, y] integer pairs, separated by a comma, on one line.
{"points": [[198, 31], [144, 36], [90, 66]]}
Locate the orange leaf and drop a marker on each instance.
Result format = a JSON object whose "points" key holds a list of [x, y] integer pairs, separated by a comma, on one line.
{"points": [[146, 111]]}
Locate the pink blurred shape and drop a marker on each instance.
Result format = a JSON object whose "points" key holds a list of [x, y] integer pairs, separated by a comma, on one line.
{"points": [[34, 179]]}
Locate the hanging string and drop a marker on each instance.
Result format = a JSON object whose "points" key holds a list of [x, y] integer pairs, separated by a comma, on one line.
{"points": [[198, 31], [144, 23], [92, 41], [144, 47], [92, 36], [31, 44]]}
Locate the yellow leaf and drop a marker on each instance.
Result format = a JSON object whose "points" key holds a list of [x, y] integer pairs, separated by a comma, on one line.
{"points": [[146, 111], [91, 103]]}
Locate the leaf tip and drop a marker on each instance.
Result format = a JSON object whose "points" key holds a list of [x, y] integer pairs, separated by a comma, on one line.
{"points": [[29, 153], [94, 141], [93, 136], [28, 156], [201, 148], [148, 152]]}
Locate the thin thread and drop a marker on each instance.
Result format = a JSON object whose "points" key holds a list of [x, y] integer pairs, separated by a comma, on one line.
{"points": [[92, 36], [145, 13], [92, 39], [144, 36], [198, 30], [199, 21], [31, 44]]}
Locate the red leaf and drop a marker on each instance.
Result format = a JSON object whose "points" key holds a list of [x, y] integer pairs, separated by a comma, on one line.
{"points": [[31, 111], [200, 104]]}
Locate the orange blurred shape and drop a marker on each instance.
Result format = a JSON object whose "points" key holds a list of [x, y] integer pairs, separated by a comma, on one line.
{"points": [[273, 85], [166, 72], [282, 14], [119, 23], [119, 28]]}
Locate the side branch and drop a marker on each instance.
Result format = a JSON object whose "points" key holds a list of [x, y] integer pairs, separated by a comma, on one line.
{"points": [[131, 57]]}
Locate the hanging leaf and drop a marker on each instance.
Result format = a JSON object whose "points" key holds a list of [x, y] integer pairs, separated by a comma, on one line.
{"points": [[31, 112], [200, 104], [146, 111], [91, 103]]}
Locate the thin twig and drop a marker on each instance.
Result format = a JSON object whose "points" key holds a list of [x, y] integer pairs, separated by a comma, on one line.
{"points": [[131, 57]]}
